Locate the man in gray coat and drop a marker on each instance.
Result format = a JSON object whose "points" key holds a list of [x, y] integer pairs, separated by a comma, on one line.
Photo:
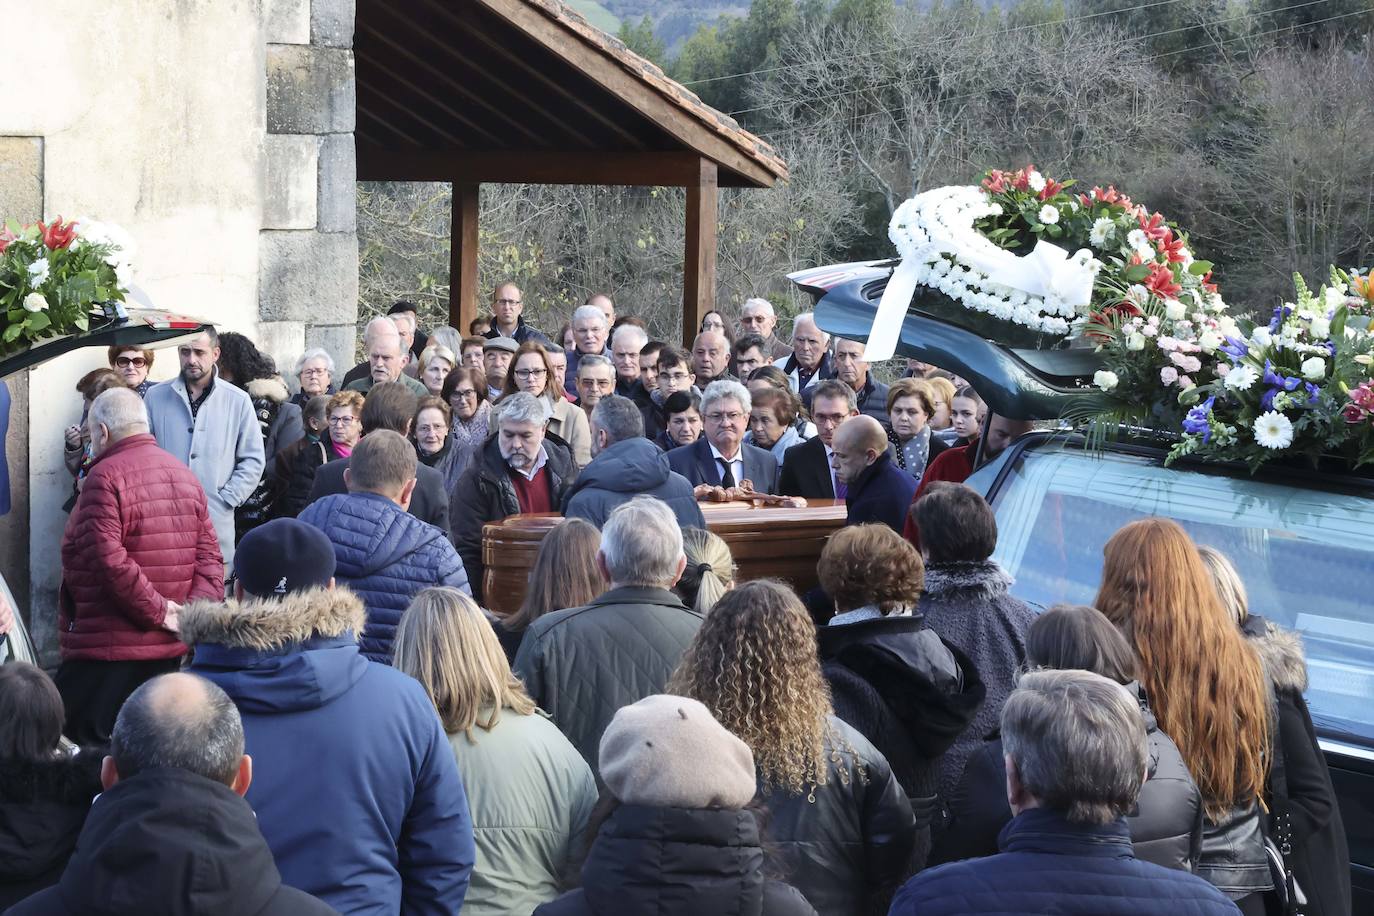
{"points": [[582, 664], [625, 464], [210, 426]]}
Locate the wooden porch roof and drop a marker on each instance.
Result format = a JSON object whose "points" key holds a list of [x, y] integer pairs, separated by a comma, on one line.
{"points": [[528, 91]]}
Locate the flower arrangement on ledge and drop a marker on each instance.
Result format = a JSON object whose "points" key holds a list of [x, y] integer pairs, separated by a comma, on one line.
{"points": [[53, 275]]}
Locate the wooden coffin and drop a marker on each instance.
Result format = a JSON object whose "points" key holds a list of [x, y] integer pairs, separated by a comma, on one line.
{"points": [[765, 542]]}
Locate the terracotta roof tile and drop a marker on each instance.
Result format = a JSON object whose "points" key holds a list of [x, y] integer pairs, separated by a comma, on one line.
{"points": [[649, 73]]}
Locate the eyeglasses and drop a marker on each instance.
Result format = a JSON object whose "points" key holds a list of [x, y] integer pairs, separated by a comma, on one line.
{"points": [[507, 301], [732, 416], [465, 393], [341, 421], [531, 373], [319, 371], [125, 362], [676, 376]]}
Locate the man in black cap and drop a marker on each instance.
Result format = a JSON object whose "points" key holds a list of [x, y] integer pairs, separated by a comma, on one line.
{"points": [[357, 791]]}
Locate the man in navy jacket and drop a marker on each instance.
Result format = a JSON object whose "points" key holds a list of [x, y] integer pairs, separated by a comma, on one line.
{"points": [[879, 491], [355, 788], [1076, 756]]}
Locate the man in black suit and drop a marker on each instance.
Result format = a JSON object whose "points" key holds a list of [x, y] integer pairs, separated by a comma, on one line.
{"points": [[391, 405], [806, 468], [721, 457]]}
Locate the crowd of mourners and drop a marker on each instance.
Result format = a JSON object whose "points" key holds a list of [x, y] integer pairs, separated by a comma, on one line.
{"points": [[280, 690]]}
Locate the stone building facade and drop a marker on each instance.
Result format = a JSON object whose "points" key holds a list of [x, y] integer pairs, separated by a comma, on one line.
{"points": [[219, 133]]}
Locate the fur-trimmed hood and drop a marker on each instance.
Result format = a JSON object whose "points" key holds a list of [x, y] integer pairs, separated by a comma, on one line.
{"points": [[266, 624], [1280, 652], [68, 780], [984, 576], [273, 389]]}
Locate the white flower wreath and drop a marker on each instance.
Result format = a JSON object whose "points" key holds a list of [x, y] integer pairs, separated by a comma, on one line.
{"points": [[940, 248]]}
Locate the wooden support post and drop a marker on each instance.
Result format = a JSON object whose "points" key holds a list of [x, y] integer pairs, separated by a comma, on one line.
{"points": [[462, 293], [699, 258]]}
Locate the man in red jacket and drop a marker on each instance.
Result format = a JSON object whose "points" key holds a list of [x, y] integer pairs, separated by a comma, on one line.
{"points": [[138, 545]]}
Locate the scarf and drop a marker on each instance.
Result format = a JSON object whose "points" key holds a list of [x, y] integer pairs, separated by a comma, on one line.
{"points": [[913, 454], [469, 434]]}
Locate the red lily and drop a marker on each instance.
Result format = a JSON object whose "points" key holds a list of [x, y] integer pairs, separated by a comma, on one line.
{"points": [[1021, 180], [1052, 188], [1154, 226], [996, 182], [1172, 247], [1161, 282], [57, 234], [5, 238], [1207, 283]]}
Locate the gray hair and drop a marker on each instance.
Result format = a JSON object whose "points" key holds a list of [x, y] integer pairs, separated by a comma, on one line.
{"points": [[631, 330], [447, 336], [1078, 742], [809, 318], [834, 388], [724, 389], [592, 360], [759, 302], [121, 411], [314, 353], [619, 417], [641, 543], [381, 326], [585, 312], [163, 727], [523, 407]]}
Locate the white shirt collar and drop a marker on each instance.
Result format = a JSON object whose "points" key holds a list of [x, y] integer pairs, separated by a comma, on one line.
{"points": [[720, 456], [539, 461]]}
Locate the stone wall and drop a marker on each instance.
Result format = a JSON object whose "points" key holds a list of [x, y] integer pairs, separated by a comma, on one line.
{"points": [[219, 134]]}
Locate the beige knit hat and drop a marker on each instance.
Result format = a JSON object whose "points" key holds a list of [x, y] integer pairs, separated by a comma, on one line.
{"points": [[670, 751]]}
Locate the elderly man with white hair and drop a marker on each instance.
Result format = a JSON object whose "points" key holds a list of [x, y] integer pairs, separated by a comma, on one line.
{"points": [[139, 544], [386, 358], [809, 364], [518, 470], [757, 316], [721, 458], [582, 664], [590, 330]]}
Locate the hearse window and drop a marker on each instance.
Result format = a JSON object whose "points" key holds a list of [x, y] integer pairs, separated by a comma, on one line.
{"points": [[1306, 555]]}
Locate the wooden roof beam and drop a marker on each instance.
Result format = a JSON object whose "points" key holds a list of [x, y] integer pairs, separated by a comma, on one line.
{"points": [[648, 169]]}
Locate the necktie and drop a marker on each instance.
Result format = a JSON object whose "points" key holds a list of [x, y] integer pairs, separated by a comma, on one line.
{"points": [[727, 477], [841, 490]]}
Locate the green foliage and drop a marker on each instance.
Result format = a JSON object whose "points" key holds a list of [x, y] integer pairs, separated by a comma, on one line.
{"points": [[639, 37]]}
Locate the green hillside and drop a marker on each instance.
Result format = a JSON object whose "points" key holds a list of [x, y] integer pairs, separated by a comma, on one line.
{"points": [[597, 15]]}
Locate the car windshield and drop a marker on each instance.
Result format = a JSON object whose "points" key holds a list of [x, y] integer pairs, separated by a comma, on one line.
{"points": [[1306, 554]]}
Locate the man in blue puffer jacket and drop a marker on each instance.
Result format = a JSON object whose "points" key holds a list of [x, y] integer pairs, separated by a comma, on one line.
{"points": [[1076, 756], [385, 554], [625, 465]]}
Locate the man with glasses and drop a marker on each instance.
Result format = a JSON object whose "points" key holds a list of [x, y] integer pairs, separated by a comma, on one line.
{"points": [[595, 380], [674, 374], [589, 328], [507, 305], [809, 364], [757, 316], [721, 458], [807, 469]]}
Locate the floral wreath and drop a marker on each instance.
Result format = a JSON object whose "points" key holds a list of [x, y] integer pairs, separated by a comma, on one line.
{"points": [[53, 276]]}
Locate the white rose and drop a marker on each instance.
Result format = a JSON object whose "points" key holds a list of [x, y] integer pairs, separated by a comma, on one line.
{"points": [[1135, 341], [1174, 310], [1104, 379], [38, 271], [1332, 296], [1209, 341], [1320, 328], [1261, 337], [34, 302], [1049, 215], [1314, 369]]}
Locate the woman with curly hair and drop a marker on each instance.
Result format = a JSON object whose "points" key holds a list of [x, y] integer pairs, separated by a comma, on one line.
{"points": [[1207, 688], [840, 818], [907, 690]]}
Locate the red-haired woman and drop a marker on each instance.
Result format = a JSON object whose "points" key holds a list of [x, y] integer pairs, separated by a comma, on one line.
{"points": [[1207, 689]]}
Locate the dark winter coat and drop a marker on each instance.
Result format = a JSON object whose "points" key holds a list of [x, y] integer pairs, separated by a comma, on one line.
{"points": [[139, 536], [429, 502], [881, 493], [485, 494], [969, 606], [280, 422], [387, 557], [42, 809], [1048, 865], [582, 664], [172, 843], [354, 783], [908, 693], [633, 467], [1166, 828], [850, 848], [677, 862], [297, 464], [1321, 855]]}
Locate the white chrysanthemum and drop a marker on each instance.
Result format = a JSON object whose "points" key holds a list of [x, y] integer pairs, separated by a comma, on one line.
{"points": [[34, 302], [1135, 341], [1314, 369], [1049, 215], [1174, 310], [1273, 430], [1320, 328], [1242, 378], [1209, 341], [1105, 380], [1101, 232], [1036, 181]]}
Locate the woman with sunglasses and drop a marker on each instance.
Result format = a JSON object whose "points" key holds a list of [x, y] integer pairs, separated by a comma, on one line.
{"points": [[132, 364]]}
